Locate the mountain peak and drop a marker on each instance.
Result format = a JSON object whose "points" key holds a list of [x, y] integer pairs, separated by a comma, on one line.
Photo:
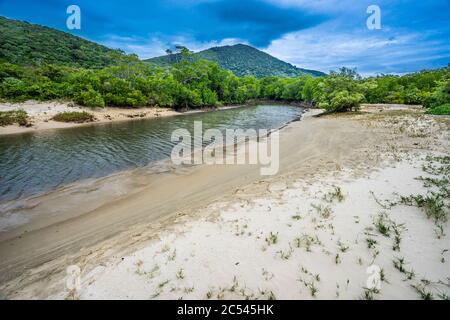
{"points": [[242, 45], [243, 60]]}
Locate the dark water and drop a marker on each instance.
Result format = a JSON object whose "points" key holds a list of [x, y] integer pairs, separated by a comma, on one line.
{"points": [[38, 162]]}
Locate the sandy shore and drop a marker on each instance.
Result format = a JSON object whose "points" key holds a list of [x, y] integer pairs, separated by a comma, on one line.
{"points": [[220, 232], [40, 114]]}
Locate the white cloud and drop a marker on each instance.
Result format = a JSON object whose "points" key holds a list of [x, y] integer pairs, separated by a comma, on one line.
{"points": [[324, 49], [154, 46], [341, 41]]}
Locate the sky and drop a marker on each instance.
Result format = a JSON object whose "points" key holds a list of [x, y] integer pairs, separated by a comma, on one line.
{"points": [[317, 34]]}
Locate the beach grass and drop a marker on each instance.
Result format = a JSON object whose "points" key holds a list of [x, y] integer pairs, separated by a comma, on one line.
{"points": [[18, 116], [74, 116]]}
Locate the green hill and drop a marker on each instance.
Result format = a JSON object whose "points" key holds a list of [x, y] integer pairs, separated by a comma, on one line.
{"points": [[242, 60], [24, 43]]}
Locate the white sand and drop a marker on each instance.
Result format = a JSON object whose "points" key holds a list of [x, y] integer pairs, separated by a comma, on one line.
{"points": [[225, 255], [35, 108]]}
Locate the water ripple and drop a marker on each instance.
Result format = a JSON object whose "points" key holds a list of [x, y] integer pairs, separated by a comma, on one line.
{"points": [[38, 162]]}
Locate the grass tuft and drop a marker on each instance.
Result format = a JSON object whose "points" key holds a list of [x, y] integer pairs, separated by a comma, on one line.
{"points": [[15, 116], [382, 224], [324, 211], [336, 194], [432, 204], [74, 116], [272, 238]]}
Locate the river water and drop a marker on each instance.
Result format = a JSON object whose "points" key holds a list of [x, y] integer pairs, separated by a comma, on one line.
{"points": [[35, 163]]}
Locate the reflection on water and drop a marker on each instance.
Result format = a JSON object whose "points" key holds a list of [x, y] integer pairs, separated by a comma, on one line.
{"points": [[38, 162]]}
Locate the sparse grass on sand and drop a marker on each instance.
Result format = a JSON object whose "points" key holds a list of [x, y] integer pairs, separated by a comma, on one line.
{"points": [[75, 116], [435, 203], [313, 239], [15, 116]]}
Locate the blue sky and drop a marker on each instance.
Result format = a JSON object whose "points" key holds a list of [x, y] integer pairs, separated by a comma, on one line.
{"points": [[316, 34]]}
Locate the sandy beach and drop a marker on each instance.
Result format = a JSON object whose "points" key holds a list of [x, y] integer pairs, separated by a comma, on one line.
{"points": [[337, 208], [41, 113]]}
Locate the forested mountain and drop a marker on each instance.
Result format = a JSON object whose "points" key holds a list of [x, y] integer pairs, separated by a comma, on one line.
{"points": [[242, 60], [24, 43]]}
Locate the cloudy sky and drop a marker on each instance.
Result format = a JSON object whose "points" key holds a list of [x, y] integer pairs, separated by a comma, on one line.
{"points": [[315, 34]]}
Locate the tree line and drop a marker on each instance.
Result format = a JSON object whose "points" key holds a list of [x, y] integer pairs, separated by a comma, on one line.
{"points": [[196, 84]]}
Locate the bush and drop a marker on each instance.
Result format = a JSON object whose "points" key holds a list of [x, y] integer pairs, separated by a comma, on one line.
{"points": [[14, 89], [209, 97], [440, 96], [15, 116], [343, 101], [136, 99], [90, 98], [75, 116], [188, 98], [441, 110]]}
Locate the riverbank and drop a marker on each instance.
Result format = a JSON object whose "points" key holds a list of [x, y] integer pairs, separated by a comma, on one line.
{"points": [[230, 233], [41, 113]]}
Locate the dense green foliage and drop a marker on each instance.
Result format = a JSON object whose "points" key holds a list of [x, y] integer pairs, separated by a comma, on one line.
{"points": [[186, 85], [440, 110], [345, 90], [27, 44], [417, 88], [15, 116], [202, 83], [74, 116], [242, 60]]}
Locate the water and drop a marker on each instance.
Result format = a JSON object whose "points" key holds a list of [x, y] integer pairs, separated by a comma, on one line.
{"points": [[38, 162]]}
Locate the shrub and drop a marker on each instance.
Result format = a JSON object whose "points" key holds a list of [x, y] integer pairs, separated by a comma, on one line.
{"points": [[440, 96], [14, 89], [189, 98], [209, 97], [90, 98], [343, 101], [75, 116], [441, 110], [15, 116], [136, 98]]}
